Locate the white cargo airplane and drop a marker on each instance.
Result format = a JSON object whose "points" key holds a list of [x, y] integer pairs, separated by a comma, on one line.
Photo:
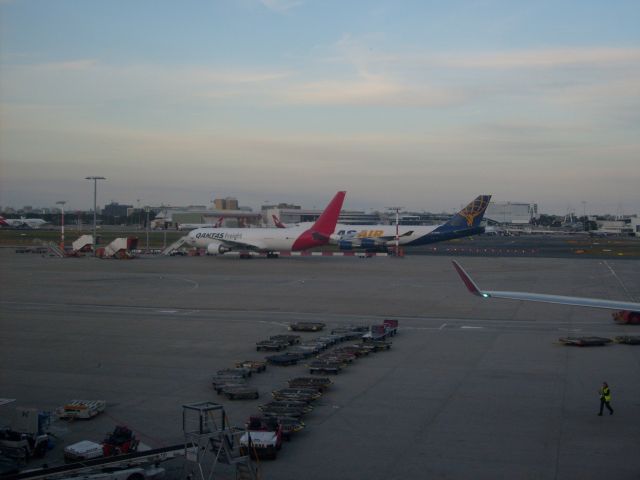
{"points": [[541, 297], [22, 222], [463, 224], [270, 240]]}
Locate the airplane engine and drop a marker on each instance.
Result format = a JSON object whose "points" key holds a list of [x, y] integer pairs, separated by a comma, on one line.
{"points": [[345, 245], [369, 243], [216, 248]]}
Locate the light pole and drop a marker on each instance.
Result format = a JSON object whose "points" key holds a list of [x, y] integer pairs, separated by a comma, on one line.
{"points": [[146, 209], [61, 203], [397, 210], [95, 197]]}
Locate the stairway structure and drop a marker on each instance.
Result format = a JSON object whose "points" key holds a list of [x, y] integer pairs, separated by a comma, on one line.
{"points": [[175, 245], [215, 445]]}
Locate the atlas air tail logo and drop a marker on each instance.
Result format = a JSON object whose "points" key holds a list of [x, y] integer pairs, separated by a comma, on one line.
{"points": [[475, 208]]}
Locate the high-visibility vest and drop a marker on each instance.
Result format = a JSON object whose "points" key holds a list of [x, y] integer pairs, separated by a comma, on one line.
{"points": [[605, 393]]}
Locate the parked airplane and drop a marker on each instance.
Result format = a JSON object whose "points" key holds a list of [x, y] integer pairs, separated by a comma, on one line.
{"points": [[540, 297], [193, 226], [22, 222], [463, 224], [270, 240]]}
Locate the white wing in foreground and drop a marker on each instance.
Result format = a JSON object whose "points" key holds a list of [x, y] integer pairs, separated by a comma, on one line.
{"points": [[541, 297]]}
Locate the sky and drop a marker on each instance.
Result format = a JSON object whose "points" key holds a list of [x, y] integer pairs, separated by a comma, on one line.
{"points": [[421, 104]]}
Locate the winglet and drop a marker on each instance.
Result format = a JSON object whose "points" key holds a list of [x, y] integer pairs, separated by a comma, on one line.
{"points": [[468, 281]]}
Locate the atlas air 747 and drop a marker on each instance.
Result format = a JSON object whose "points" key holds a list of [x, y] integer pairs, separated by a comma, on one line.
{"points": [[463, 224], [372, 237], [270, 240]]}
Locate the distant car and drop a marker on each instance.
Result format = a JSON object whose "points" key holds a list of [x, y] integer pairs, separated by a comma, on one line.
{"points": [[176, 253]]}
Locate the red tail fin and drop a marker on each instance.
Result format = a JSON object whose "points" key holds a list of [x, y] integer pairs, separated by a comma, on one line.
{"points": [[277, 222], [326, 223], [320, 232]]}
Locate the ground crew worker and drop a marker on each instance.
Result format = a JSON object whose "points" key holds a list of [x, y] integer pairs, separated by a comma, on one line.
{"points": [[605, 398]]}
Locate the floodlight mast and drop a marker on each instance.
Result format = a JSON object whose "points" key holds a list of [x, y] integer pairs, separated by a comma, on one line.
{"points": [[95, 196], [397, 210], [61, 203]]}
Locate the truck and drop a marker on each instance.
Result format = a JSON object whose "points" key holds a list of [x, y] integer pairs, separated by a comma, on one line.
{"points": [[262, 439], [626, 317], [81, 409], [27, 437]]}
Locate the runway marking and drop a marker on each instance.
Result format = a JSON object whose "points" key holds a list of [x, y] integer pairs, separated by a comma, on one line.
{"points": [[167, 311], [442, 326], [467, 327], [624, 287], [274, 323], [193, 282]]}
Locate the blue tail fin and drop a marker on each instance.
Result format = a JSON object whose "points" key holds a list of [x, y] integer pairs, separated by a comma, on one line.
{"points": [[469, 217]]}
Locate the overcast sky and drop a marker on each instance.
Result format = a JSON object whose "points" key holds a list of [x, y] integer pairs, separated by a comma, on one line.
{"points": [[423, 104]]}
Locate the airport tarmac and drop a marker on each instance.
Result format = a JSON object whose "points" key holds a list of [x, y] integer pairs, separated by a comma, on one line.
{"points": [[471, 388]]}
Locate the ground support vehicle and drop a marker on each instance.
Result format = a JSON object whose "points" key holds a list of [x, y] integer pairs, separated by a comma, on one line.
{"points": [[81, 451], [628, 339], [380, 345], [289, 425], [27, 436], [226, 379], [285, 359], [220, 387], [282, 412], [585, 341], [329, 340], [306, 326], [321, 383], [255, 366], [297, 394], [81, 409], [243, 372], [241, 392], [344, 358], [357, 350], [23, 446], [304, 407], [624, 317], [121, 441], [262, 439], [354, 328], [271, 345], [304, 351], [325, 367], [290, 339], [391, 326]]}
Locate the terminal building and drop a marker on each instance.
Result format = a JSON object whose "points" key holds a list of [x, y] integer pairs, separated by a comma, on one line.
{"points": [[292, 214], [511, 213], [173, 217]]}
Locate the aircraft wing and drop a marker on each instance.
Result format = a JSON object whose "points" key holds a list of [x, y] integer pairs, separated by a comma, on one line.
{"points": [[541, 297]]}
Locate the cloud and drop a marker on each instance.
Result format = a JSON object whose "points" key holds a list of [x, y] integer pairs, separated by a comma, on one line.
{"points": [[371, 90], [547, 58], [281, 6]]}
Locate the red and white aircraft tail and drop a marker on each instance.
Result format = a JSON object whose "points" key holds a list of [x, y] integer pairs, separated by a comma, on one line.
{"points": [[321, 231], [277, 222]]}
